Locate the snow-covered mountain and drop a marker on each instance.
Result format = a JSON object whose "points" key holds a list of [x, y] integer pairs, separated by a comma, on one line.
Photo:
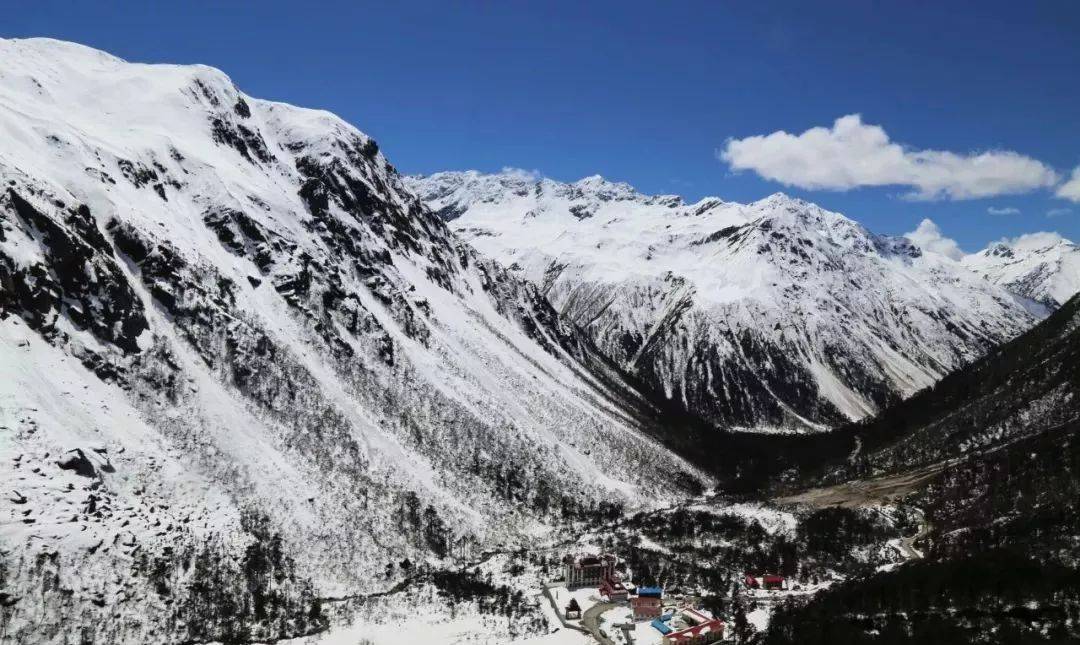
{"points": [[243, 368], [1044, 267], [771, 315]]}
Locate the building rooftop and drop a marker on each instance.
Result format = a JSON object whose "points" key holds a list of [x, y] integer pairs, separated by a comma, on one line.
{"points": [[588, 559], [697, 630]]}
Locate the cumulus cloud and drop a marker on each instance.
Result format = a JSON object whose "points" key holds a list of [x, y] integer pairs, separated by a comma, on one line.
{"points": [[1034, 241], [1058, 212], [1070, 190], [851, 154], [1008, 210], [928, 237]]}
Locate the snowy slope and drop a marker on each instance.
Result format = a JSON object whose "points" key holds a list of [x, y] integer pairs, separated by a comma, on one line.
{"points": [[765, 316], [1041, 266], [243, 368]]}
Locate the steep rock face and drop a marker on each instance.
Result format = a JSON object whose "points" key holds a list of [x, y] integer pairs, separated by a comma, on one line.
{"points": [[776, 315], [1041, 266], [242, 368]]}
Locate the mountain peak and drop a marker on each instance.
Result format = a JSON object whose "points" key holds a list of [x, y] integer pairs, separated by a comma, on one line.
{"points": [[999, 249], [780, 209], [592, 180], [782, 205], [781, 199], [597, 187], [1043, 266]]}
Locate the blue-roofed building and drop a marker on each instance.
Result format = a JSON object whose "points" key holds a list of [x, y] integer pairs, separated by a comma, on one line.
{"points": [[648, 603], [661, 626]]}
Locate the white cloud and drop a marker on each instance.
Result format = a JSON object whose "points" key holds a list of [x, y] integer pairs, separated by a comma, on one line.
{"points": [[1008, 210], [1070, 190], [1034, 241], [1057, 212], [928, 237], [521, 173], [851, 154]]}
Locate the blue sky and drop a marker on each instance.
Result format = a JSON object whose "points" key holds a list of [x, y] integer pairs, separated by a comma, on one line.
{"points": [[650, 93]]}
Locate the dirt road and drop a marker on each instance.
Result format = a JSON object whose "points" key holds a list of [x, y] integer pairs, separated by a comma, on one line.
{"points": [[590, 620], [907, 545], [871, 492]]}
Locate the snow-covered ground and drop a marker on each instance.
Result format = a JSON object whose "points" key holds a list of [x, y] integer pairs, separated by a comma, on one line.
{"points": [[586, 597], [643, 633]]}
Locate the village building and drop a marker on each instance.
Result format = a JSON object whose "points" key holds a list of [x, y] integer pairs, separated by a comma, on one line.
{"points": [[709, 631], [766, 581], [660, 625], [648, 603], [587, 570], [688, 626], [614, 588]]}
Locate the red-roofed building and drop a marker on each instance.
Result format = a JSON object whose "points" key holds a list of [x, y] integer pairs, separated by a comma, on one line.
{"points": [[709, 631], [613, 587], [646, 607], [766, 581]]}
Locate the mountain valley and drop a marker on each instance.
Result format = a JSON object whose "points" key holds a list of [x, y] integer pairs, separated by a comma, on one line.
{"points": [[257, 386]]}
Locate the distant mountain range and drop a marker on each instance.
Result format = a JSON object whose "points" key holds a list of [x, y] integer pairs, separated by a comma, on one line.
{"points": [[1042, 266], [771, 316]]}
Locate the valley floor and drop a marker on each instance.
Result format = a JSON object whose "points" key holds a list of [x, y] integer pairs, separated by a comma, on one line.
{"points": [[865, 493], [699, 550]]}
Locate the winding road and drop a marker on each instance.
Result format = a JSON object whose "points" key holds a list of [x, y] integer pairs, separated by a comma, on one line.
{"points": [[873, 493], [590, 620], [907, 545]]}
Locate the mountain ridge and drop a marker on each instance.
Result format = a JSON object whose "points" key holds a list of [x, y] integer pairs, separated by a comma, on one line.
{"points": [[1044, 267], [771, 315], [226, 326]]}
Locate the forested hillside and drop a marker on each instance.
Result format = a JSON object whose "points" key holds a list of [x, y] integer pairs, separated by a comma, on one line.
{"points": [[992, 455]]}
